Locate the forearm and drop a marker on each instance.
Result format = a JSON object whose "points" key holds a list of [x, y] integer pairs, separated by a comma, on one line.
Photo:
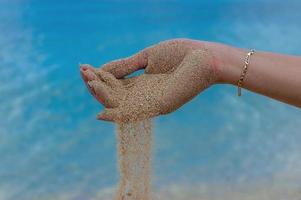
{"points": [[273, 75]]}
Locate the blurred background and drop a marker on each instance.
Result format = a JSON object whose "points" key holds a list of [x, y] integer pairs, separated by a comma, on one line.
{"points": [[51, 145]]}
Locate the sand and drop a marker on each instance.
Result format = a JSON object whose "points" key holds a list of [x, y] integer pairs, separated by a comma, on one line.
{"points": [[175, 72], [134, 153]]}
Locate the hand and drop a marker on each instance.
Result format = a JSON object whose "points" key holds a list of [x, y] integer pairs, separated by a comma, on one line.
{"points": [[175, 72]]}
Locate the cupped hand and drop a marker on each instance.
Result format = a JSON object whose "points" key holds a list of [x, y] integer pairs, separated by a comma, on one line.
{"points": [[175, 72]]}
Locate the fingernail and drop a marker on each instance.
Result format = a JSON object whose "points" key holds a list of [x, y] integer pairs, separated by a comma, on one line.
{"points": [[83, 67]]}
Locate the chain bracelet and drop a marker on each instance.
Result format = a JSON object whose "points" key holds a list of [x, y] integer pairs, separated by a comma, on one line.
{"points": [[244, 72]]}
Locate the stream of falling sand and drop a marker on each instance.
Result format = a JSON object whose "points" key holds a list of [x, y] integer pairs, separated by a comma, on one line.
{"points": [[134, 141]]}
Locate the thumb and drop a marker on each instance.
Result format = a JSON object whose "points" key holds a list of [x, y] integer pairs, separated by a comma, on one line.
{"points": [[123, 67]]}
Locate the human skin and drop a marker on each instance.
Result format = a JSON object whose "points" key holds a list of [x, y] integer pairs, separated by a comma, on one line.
{"points": [[177, 70], [273, 75]]}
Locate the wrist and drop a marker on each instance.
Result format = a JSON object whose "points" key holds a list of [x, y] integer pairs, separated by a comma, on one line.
{"points": [[227, 61]]}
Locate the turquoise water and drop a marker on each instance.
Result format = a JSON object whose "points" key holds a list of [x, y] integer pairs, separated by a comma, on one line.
{"points": [[50, 143]]}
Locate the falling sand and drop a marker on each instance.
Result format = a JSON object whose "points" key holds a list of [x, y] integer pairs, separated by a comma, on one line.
{"points": [[134, 152]]}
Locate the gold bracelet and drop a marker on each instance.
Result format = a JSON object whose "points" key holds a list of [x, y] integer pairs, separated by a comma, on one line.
{"points": [[244, 72]]}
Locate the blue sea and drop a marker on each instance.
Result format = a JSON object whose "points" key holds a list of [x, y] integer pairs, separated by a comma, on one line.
{"points": [[51, 145]]}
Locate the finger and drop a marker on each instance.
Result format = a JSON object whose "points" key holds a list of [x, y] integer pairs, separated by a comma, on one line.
{"points": [[87, 72], [108, 78], [87, 75], [104, 94], [109, 114], [123, 67]]}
